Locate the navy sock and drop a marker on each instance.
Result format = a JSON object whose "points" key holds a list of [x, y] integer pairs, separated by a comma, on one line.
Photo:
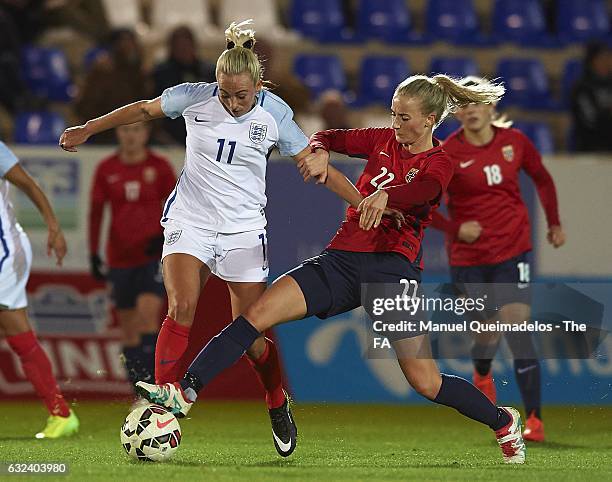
{"points": [[147, 344], [220, 353], [131, 359], [458, 393], [527, 371]]}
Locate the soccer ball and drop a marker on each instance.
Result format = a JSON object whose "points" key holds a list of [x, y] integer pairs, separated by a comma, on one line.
{"points": [[150, 433]]}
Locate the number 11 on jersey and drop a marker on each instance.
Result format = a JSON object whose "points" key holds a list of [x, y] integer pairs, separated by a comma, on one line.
{"points": [[221, 143]]}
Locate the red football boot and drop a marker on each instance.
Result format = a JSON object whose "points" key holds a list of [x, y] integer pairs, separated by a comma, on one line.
{"points": [[534, 429]]}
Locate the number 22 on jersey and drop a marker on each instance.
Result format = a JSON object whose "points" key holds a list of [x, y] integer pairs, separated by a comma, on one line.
{"points": [[384, 173]]}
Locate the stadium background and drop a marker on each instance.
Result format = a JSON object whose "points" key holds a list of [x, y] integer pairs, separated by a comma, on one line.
{"points": [[322, 359]]}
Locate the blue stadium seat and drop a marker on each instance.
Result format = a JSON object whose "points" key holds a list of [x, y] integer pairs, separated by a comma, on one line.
{"points": [[522, 22], [379, 77], [455, 66], [454, 21], [447, 127], [571, 73], [320, 72], [38, 127], [388, 21], [539, 133], [526, 84], [45, 72], [581, 20], [320, 20]]}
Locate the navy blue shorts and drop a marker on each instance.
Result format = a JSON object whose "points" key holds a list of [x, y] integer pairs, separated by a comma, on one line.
{"points": [[128, 283], [503, 283], [331, 282]]}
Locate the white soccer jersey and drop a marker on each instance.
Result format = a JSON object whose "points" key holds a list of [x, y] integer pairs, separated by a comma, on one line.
{"points": [[15, 250], [222, 185]]}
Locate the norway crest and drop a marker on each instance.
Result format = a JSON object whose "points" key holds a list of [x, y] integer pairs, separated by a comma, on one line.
{"points": [[508, 153], [411, 173], [257, 132]]}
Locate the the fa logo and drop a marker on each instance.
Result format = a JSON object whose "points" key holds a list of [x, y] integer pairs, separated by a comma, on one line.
{"points": [[173, 237], [411, 173], [508, 153], [257, 132]]}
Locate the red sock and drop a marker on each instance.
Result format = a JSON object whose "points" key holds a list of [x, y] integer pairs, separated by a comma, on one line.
{"points": [[171, 344], [269, 374], [37, 368]]}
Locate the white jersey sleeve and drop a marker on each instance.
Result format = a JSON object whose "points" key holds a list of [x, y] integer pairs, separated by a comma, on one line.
{"points": [[291, 138], [7, 159], [175, 100]]}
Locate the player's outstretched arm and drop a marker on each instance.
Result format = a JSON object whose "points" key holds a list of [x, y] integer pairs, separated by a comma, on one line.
{"points": [[141, 111], [56, 243], [340, 184]]}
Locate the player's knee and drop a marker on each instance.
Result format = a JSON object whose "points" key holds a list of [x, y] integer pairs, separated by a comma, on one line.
{"points": [[181, 308], [256, 314], [424, 385]]}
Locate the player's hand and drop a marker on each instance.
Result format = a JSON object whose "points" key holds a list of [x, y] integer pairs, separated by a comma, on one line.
{"points": [[72, 137], [372, 209], [314, 165], [469, 231], [97, 267], [556, 236], [397, 216], [56, 244]]}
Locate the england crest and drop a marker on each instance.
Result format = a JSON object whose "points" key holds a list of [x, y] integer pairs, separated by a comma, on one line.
{"points": [[257, 132], [173, 237], [508, 152]]}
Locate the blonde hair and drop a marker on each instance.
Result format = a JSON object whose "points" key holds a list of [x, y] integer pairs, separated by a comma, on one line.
{"points": [[442, 94], [238, 57], [499, 120]]}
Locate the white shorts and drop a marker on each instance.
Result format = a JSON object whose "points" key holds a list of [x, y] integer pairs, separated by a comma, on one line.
{"points": [[241, 257], [15, 264]]}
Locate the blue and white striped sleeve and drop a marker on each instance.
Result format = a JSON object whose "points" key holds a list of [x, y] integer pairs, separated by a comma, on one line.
{"points": [[7, 159], [291, 138], [174, 100]]}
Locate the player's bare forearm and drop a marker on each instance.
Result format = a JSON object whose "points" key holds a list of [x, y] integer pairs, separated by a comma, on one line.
{"points": [[141, 111], [26, 184], [339, 184]]}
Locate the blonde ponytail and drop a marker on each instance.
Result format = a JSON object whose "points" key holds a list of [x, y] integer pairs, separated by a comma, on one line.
{"points": [[499, 120], [239, 58], [442, 94]]}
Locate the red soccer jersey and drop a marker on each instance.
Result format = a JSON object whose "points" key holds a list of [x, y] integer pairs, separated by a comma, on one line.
{"points": [[388, 165], [136, 193], [485, 188]]}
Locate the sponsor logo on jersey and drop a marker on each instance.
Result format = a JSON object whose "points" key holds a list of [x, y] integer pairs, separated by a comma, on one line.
{"points": [[257, 132], [465, 164], [508, 153], [411, 173], [149, 174], [173, 237]]}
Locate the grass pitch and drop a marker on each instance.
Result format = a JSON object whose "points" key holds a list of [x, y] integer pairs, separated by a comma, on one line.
{"points": [[232, 441]]}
